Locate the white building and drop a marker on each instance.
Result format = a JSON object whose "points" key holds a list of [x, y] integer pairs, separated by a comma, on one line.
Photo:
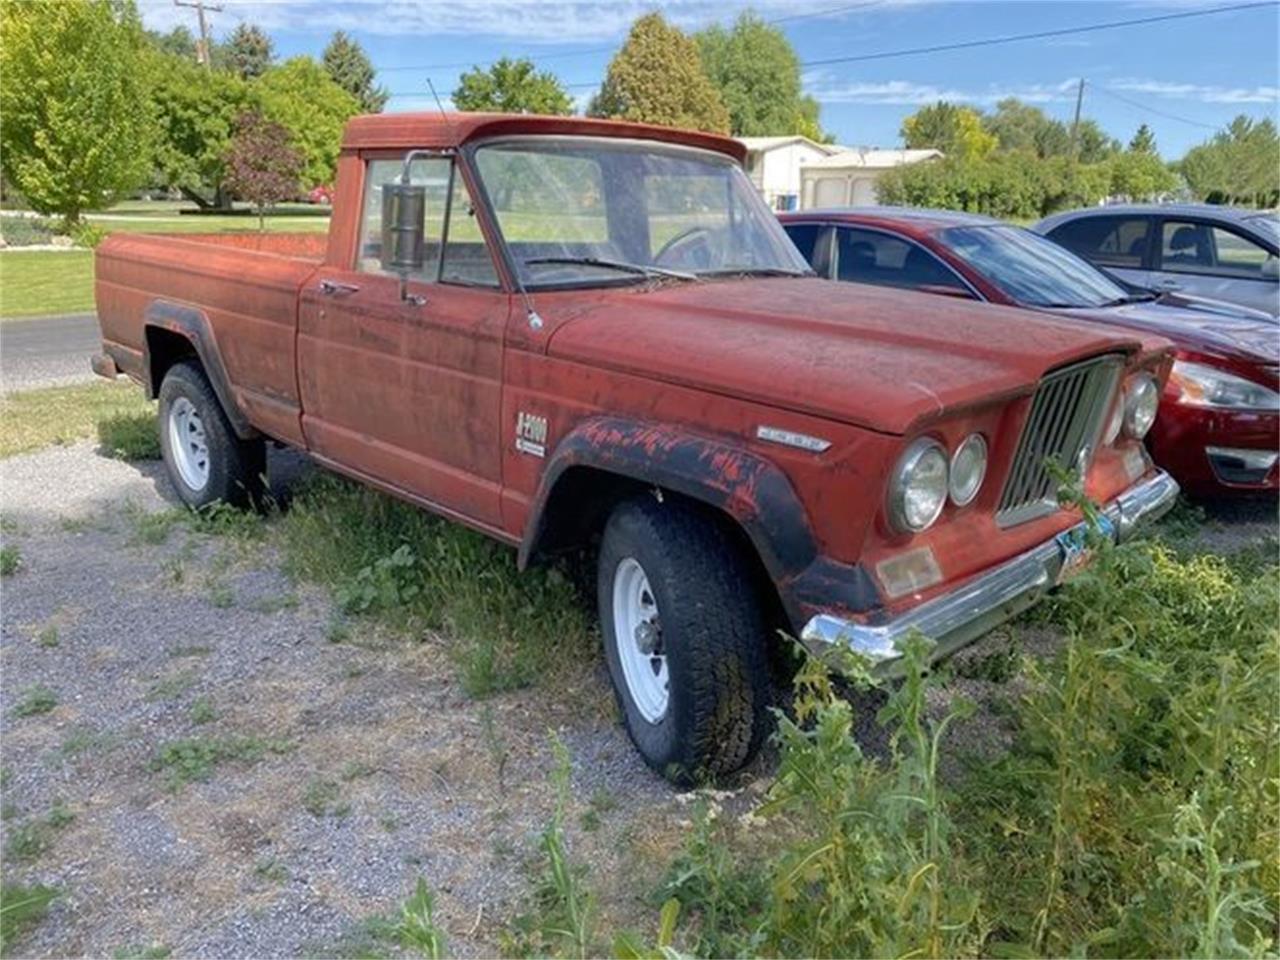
{"points": [[775, 164], [848, 178]]}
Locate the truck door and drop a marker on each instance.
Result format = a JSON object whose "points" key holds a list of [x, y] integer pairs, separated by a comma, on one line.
{"points": [[407, 395]]}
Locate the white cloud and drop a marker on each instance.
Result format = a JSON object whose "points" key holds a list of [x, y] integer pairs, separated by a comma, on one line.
{"points": [[534, 21], [909, 93], [1199, 92]]}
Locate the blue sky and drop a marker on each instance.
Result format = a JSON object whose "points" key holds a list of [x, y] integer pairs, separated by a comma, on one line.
{"points": [[1182, 77]]}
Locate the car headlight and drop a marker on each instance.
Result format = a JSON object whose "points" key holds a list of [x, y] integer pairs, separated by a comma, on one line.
{"points": [[1141, 400], [918, 487], [968, 468], [1203, 386]]}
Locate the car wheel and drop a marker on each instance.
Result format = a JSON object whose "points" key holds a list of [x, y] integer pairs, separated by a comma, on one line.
{"points": [[684, 639], [206, 461]]}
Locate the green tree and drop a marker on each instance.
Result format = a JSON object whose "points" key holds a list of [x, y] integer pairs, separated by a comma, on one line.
{"points": [[1144, 141], [195, 111], [1093, 144], [1240, 164], [300, 96], [349, 67], [1022, 126], [657, 77], [179, 42], [757, 73], [77, 129], [1140, 175], [248, 52], [955, 130], [512, 86]]}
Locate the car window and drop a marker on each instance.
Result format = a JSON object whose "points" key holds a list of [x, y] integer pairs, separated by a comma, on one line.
{"points": [[429, 172], [1190, 247], [868, 256], [466, 254], [466, 257], [1106, 241], [805, 237]]}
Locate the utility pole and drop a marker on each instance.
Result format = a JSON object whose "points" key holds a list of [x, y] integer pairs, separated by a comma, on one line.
{"points": [[1075, 124], [202, 49]]}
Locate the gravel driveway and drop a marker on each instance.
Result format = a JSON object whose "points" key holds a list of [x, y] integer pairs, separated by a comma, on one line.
{"points": [[387, 771], [338, 772]]}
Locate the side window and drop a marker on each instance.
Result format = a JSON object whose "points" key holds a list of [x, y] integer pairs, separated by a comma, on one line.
{"points": [[1189, 247], [805, 237], [466, 255], [866, 256], [1106, 241], [431, 172]]}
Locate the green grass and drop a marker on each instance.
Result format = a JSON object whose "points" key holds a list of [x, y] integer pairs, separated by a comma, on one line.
{"points": [[21, 909], [35, 700], [33, 419], [40, 282], [195, 759], [10, 560], [130, 436]]}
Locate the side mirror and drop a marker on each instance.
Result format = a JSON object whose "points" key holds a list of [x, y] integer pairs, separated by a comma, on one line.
{"points": [[404, 209]]}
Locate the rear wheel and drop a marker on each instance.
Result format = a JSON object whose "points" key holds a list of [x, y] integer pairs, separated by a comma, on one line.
{"points": [[207, 462], [684, 639]]}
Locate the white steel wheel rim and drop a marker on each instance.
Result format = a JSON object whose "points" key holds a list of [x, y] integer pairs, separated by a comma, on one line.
{"points": [[637, 635], [187, 443]]}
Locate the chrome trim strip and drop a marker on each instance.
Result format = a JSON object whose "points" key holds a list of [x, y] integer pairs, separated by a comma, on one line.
{"points": [[960, 616], [791, 438]]}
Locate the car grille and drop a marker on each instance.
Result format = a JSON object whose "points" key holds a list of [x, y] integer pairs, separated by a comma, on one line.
{"points": [[1064, 423]]}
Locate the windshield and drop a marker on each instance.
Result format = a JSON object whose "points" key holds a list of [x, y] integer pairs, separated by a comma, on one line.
{"points": [[1031, 269], [589, 211]]}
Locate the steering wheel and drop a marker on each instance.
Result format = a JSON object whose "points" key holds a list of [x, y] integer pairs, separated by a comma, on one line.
{"points": [[693, 235]]}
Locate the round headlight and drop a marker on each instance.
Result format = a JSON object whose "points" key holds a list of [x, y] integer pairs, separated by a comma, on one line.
{"points": [[968, 467], [1141, 400], [918, 488]]}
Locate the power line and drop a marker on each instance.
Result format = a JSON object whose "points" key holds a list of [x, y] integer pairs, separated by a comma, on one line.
{"points": [[1149, 109], [1038, 35]]}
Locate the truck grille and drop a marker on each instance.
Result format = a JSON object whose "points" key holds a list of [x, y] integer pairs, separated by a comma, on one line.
{"points": [[1065, 420]]}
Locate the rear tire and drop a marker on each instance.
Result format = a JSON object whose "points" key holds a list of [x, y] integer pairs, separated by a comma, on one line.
{"points": [[206, 461], [684, 638]]}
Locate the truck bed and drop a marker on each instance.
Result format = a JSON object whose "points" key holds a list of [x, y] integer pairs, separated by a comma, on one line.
{"points": [[244, 284]]}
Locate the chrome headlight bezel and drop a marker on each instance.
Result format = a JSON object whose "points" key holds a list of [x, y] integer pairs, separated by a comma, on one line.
{"points": [[964, 497], [921, 454], [1215, 383], [1141, 403]]}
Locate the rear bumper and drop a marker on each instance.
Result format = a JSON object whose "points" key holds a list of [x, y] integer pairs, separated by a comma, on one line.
{"points": [[104, 366], [960, 616]]}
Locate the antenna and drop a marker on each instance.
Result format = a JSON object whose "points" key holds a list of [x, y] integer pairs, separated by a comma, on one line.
{"points": [[439, 106]]}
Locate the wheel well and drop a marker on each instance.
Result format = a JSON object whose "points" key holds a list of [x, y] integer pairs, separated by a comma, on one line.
{"points": [[582, 499], [164, 349]]}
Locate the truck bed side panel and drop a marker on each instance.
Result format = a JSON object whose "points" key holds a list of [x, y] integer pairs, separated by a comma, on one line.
{"points": [[247, 294]]}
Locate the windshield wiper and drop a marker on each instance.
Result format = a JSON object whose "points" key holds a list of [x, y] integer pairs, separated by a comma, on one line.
{"points": [[758, 272], [1146, 297], [638, 269]]}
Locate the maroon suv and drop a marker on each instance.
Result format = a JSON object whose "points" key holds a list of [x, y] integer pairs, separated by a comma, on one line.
{"points": [[1219, 415]]}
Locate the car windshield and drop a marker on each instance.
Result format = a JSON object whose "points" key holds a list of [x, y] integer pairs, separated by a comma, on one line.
{"points": [[1033, 270], [1267, 224], [592, 211]]}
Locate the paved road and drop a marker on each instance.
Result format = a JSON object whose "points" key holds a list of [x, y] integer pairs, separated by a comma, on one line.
{"points": [[47, 351]]}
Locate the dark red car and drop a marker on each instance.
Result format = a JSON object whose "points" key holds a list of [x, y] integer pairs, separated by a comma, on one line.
{"points": [[1219, 416]]}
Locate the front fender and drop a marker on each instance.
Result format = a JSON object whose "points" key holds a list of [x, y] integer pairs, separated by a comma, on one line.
{"points": [[749, 488]]}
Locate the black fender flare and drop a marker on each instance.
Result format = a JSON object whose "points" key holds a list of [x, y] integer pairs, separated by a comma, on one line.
{"points": [[749, 488], [192, 324]]}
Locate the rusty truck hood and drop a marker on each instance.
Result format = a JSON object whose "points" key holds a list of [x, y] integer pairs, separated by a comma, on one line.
{"points": [[879, 358]]}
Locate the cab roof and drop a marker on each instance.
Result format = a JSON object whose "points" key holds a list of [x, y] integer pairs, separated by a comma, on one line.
{"points": [[406, 131]]}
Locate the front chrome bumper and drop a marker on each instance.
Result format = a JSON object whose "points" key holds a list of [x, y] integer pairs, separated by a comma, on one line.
{"points": [[960, 616]]}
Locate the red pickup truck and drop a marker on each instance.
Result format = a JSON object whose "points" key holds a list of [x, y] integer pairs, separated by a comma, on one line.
{"points": [[573, 334]]}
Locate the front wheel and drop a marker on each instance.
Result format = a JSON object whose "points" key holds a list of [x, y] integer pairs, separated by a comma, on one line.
{"points": [[684, 639], [206, 461]]}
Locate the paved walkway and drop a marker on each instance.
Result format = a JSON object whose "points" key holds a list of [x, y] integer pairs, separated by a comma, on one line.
{"points": [[47, 351]]}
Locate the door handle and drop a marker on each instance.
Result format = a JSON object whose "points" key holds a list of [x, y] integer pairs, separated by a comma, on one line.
{"points": [[335, 288]]}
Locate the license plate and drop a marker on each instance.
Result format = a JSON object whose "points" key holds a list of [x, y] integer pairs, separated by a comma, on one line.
{"points": [[1076, 551]]}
